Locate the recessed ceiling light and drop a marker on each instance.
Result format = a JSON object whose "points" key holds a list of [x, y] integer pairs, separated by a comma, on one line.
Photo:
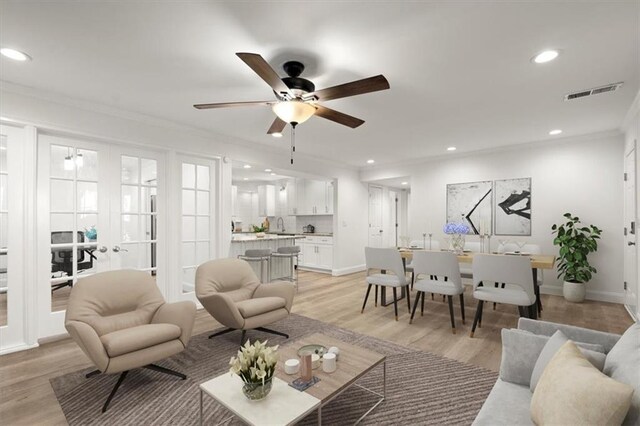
{"points": [[371, 161], [545, 56], [247, 166], [267, 170], [273, 174], [555, 132], [16, 55], [451, 148], [404, 183], [276, 135], [245, 178]]}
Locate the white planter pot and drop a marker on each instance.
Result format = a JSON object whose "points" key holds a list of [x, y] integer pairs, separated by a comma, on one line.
{"points": [[574, 292]]}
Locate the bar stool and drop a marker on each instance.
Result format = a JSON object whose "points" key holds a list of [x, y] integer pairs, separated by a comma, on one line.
{"points": [[289, 252], [259, 255]]}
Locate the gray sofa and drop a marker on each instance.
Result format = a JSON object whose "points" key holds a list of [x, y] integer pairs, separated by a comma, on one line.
{"points": [[510, 399]]}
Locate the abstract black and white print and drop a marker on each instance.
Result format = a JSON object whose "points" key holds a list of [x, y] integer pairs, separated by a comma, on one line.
{"points": [[471, 204], [513, 206]]}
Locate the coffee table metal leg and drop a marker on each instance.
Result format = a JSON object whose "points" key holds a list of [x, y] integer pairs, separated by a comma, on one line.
{"points": [[319, 415], [384, 377], [201, 417]]}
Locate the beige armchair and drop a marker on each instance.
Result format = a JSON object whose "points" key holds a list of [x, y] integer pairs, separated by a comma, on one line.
{"points": [[121, 321], [231, 292]]}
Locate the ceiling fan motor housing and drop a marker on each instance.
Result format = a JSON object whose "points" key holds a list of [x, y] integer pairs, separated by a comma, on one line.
{"points": [[294, 82]]}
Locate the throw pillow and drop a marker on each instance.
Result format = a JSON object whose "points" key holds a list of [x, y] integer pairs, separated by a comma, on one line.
{"points": [[572, 391], [594, 353]]}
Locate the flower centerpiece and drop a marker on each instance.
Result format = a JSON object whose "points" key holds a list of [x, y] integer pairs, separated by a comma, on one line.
{"points": [[457, 230], [255, 364]]}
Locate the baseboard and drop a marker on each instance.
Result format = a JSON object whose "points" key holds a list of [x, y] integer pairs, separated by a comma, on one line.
{"points": [[308, 268], [348, 270], [17, 348], [599, 296]]}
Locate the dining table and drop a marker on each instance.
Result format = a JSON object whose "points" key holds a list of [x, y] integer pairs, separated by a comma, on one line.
{"points": [[538, 261]]}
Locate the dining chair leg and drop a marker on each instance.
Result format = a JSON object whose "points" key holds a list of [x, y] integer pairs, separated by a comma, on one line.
{"points": [[413, 278], [415, 305], [481, 312], [409, 300], [521, 312], [432, 296], [422, 305], [443, 298], [453, 321], [365, 298], [494, 303], [462, 307], [395, 302], [477, 317], [376, 299]]}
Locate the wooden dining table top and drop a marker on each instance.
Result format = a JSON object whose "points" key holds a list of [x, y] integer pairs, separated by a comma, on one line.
{"points": [[538, 261]]}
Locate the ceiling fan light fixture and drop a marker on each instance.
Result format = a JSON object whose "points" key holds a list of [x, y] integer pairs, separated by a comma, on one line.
{"points": [[294, 111]]}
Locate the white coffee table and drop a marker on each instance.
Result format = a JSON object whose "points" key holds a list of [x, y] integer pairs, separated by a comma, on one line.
{"points": [[283, 406]]}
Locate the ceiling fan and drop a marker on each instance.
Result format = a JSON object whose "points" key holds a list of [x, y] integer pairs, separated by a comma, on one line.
{"points": [[297, 97]]}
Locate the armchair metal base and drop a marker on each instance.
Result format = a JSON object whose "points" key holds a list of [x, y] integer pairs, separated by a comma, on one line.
{"points": [[123, 375], [244, 333]]}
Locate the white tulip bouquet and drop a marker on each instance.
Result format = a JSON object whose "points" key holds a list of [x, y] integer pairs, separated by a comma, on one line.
{"points": [[255, 362]]}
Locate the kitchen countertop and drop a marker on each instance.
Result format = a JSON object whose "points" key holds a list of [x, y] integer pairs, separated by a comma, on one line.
{"points": [[269, 237], [317, 234]]}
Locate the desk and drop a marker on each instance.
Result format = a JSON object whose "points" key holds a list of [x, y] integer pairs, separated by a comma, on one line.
{"points": [[538, 261]]}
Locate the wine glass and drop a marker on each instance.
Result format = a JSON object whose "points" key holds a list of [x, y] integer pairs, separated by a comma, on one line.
{"points": [[520, 245]]}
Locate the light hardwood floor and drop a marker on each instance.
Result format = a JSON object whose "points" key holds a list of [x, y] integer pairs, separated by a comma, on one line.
{"points": [[26, 397]]}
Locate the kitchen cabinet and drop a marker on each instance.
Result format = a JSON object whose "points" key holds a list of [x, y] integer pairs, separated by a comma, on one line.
{"points": [[329, 197], [317, 253], [266, 200]]}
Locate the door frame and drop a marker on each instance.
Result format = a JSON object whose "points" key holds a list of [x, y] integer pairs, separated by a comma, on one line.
{"points": [[631, 155], [381, 225]]}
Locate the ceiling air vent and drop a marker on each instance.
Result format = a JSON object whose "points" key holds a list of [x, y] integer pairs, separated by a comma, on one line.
{"points": [[595, 91]]}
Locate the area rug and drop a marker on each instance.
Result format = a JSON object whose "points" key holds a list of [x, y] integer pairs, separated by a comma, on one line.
{"points": [[422, 388]]}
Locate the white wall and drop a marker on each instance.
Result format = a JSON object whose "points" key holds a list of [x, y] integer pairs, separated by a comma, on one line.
{"points": [[580, 175]]}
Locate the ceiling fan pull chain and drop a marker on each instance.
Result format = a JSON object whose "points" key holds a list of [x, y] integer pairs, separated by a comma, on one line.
{"points": [[293, 140]]}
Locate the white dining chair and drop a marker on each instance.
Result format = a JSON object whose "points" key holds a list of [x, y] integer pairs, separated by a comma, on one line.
{"points": [[511, 247], [388, 260], [514, 271], [466, 270], [418, 244], [437, 272]]}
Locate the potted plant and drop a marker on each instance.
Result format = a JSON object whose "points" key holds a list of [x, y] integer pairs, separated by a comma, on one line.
{"points": [[259, 230], [255, 365], [576, 241]]}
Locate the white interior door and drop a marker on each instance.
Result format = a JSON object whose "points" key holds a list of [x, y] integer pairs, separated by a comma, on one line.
{"points": [[375, 216], [631, 234], [12, 232], [97, 207]]}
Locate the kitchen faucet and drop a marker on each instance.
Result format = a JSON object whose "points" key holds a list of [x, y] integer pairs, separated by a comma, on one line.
{"points": [[278, 221]]}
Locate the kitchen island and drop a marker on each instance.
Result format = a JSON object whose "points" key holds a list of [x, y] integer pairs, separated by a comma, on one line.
{"points": [[280, 268]]}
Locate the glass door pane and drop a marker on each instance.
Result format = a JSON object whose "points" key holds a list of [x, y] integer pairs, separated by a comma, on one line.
{"points": [[4, 228], [74, 218]]}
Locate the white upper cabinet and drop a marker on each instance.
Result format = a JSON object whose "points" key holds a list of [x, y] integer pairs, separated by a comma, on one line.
{"points": [[266, 200], [329, 197], [308, 197], [292, 200]]}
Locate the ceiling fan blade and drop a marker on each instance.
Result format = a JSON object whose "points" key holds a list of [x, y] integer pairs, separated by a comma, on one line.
{"points": [[338, 117], [358, 87], [277, 126], [264, 70], [233, 104]]}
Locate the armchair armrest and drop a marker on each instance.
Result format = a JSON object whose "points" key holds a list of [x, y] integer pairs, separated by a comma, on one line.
{"points": [[223, 309], [283, 289], [182, 314], [89, 341], [577, 334]]}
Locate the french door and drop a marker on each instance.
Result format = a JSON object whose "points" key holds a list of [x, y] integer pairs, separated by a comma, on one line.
{"points": [[12, 236], [100, 207]]}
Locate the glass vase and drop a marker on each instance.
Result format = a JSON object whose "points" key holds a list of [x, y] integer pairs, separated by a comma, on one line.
{"points": [[257, 391], [457, 243]]}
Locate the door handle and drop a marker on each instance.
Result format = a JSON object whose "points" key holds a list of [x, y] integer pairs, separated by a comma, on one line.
{"points": [[117, 249], [631, 243], [103, 249]]}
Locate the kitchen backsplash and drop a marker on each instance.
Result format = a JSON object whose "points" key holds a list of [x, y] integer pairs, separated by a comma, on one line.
{"points": [[322, 224]]}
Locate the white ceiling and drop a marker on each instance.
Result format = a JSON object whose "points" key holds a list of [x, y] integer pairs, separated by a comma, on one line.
{"points": [[460, 72], [256, 173]]}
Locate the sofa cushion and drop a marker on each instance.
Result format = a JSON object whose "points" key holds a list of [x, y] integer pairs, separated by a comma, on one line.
{"points": [[623, 365], [507, 404], [252, 307], [132, 339], [520, 352], [555, 342], [572, 391]]}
